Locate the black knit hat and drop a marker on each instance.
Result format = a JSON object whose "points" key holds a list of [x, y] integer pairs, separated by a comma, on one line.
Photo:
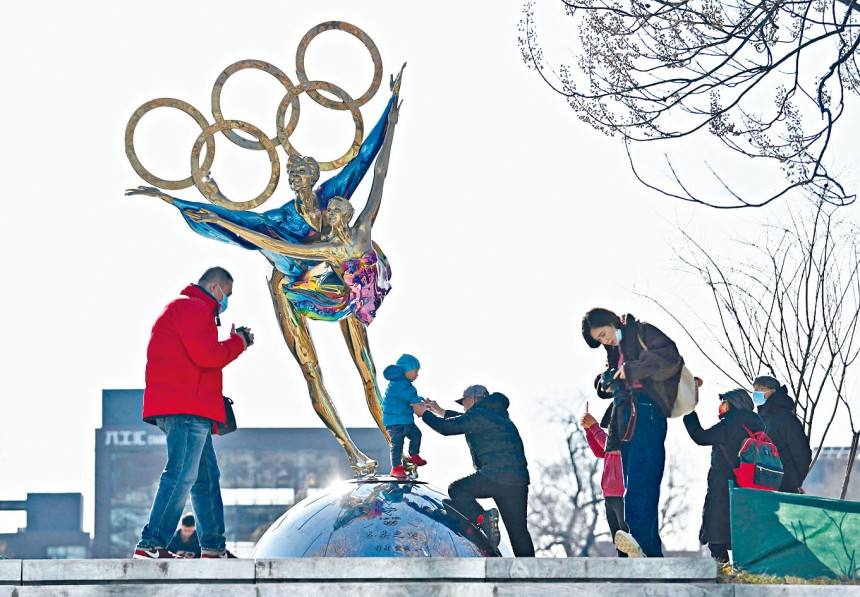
{"points": [[767, 381], [738, 398]]}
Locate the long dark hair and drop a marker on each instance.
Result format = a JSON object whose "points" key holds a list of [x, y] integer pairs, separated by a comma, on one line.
{"points": [[595, 318]]}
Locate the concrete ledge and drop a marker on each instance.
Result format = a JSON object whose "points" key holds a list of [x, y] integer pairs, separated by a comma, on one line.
{"points": [[386, 577], [607, 589], [325, 587], [357, 589], [133, 590], [375, 569], [794, 590], [437, 589], [150, 571], [603, 569], [525, 589], [380, 571], [10, 572]]}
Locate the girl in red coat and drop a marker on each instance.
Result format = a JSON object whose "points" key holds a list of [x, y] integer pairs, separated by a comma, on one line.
{"points": [[612, 482]]}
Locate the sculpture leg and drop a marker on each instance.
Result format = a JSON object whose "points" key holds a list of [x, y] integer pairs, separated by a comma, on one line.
{"points": [[297, 336], [355, 334]]}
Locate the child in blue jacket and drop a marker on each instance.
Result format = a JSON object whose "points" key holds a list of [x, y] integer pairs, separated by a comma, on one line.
{"points": [[397, 415]]}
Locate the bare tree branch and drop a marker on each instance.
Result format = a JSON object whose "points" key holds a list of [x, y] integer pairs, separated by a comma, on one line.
{"points": [[765, 78], [789, 306]]}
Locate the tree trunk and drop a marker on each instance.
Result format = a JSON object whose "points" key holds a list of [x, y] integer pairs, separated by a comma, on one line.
{"points": [[851, 455]]}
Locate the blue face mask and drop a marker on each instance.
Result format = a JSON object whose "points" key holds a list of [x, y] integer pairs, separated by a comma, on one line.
{"points": [[618, 336], [222, 306], [758, 398]]}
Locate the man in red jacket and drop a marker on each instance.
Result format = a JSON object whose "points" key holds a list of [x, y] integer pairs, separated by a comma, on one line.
{"points": [[183, 396]]}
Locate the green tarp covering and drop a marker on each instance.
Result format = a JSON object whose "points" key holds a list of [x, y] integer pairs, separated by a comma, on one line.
{"points": [[786, 534]]}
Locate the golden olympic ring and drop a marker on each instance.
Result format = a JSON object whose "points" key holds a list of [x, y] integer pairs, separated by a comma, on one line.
{"points": [[168, 102], [363, 38], [310, 86], [258, 65], [209, 189]]}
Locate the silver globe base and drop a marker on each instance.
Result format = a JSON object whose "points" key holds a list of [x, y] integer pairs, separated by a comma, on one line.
{"points": [[374, 517]]}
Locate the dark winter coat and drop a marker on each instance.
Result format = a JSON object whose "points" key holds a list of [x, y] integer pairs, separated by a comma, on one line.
{"points": [[493, 439], [184, 359], [399, 396], [786, 432], [658, 368], [177, 544], [726, 438]]}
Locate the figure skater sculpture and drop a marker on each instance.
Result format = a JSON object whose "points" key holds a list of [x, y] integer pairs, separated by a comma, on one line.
{"points": [[323, 268]]}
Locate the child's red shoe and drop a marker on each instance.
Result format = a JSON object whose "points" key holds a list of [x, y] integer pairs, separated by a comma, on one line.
{"points": [[417, 460], [398, 472]]}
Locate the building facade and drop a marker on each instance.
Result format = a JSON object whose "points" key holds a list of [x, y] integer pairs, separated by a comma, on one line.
{"points": [[827, 476], [53, 531]]}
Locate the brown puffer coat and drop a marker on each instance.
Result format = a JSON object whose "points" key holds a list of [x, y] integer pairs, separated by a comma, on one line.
{"points": [[651, 358]]}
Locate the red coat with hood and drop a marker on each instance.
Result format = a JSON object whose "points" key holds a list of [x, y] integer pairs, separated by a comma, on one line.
{"points": [[184, 359]]}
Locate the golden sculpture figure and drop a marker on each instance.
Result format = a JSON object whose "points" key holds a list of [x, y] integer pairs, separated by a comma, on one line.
{"points": [[323, 268], [352, 255]]}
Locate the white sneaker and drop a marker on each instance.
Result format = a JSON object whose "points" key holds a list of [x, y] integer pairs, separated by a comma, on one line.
{"points": [[154, 553], [625, 542], [207, 553]]}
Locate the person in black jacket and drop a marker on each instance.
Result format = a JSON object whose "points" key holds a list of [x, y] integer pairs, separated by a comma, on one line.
{"points": [[776, 407], [185, 541], [499, 459], [726, 437]]}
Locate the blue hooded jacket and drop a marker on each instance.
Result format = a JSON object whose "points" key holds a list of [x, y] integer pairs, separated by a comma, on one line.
{"points": [[396, 409]]}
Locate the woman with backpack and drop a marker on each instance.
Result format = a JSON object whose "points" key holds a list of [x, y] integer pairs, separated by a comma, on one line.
{"points": [[642, 377], [738, 421]]}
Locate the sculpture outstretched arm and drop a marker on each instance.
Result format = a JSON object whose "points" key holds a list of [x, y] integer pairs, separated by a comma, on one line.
{"points": [[298, 251], [344, 183], [395, 82], [150, 191], [368, 215]]}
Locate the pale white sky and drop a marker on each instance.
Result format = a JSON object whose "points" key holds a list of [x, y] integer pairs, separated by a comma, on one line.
{"points": [[504, 217]]}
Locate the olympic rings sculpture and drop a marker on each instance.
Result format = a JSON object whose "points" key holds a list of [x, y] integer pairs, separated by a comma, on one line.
{"points": [[200, 171]]}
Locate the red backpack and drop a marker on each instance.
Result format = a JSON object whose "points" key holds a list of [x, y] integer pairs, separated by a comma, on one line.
{"points": [[760, 466]]}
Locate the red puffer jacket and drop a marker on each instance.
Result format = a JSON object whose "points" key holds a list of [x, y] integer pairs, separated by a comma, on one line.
{"points": [[612, 482], [185, 359]]}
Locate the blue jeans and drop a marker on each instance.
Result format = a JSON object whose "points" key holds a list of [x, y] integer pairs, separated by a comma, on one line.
{"points": [[398, 433], [191, 468], [642, 462]]}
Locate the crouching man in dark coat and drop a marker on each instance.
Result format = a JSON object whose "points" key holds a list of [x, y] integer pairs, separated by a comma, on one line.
{"points": [[499, 459]]}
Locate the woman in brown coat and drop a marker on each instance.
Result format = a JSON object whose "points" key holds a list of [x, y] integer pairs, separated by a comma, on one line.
{"points": [[642, 375]]}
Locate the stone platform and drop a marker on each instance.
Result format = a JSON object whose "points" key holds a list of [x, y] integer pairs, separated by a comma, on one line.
{"points": [[380, 577]]}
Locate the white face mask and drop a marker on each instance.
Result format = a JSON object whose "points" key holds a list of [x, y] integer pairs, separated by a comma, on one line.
{"points": [[758, 398], [618, 336]]}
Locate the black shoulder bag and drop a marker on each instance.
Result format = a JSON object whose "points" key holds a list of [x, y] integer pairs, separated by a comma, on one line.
{"points": [[229, 426]]}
